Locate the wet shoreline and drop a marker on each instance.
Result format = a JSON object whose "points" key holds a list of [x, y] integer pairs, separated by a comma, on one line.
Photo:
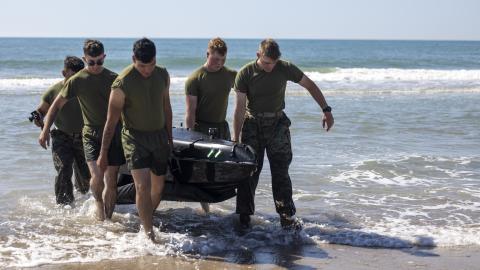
{"points": [[326, 256]]}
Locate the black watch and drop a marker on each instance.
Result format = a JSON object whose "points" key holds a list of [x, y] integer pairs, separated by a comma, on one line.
{"points": [[327, 109]]}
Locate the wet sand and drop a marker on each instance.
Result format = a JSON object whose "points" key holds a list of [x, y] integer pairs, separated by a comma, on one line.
{"points": [[303, 257]]}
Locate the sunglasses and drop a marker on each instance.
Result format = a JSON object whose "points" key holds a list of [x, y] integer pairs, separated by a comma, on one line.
{"points": [[92, 63]]}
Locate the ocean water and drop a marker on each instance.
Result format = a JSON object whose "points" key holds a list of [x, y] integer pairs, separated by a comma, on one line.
{"points": [[400, 169]]}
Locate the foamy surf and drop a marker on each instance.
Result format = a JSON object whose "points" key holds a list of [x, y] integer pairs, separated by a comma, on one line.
{"points": [[41, 233], [339, 80]]}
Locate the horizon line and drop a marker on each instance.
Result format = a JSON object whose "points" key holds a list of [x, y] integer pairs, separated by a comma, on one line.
{"points": [[243, 38]]}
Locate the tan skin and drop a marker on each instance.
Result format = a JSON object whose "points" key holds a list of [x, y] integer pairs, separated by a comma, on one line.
{"points": [[149, 187], [268, 64], [103, 183]]}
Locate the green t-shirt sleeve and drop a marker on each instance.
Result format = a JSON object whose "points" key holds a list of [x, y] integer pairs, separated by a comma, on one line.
{"points": [[191, 86], [294, 74], [48, 96], [69, 90], [241, 81], [118, 83], [113, 76]]}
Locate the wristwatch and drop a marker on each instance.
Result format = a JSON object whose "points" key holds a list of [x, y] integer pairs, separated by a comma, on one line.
{"points": [[327, 109]]}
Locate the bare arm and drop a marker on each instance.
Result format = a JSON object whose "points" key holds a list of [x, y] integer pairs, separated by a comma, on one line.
{"points": [[115, 106], [167, 107], [190, 116], [317, 95], [239, 114], [314, 91], [58, 103]]}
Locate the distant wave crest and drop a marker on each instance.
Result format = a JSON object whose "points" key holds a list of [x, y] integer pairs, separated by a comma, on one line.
{"points": [[393, 74], [27, 85], [341, 80]]}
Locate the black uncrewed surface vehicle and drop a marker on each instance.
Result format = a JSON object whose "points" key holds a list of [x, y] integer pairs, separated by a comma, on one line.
{"points": [[201, 169]]}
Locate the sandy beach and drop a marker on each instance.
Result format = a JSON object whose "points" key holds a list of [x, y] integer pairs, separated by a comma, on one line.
{"points": [[306, 257]]}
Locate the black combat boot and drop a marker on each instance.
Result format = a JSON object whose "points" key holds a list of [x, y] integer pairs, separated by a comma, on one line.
{"points": [[245, 221], [290, 223]]}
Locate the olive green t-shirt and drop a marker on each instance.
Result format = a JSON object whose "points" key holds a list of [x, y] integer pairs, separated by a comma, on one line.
{"points": [[69, 118], [212, 90], [266, 90], [93, 92], [144, 97]]}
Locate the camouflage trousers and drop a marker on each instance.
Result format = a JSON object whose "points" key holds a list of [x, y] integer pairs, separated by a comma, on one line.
{"points": [[223, 131], [270, 134], [69, 157]]}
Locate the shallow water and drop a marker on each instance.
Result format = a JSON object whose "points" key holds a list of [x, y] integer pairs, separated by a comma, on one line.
{"points": [[401, 168]]}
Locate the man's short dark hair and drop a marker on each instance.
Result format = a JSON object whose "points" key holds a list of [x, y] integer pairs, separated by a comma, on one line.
{"points": [[217, 45], [93, 47], [144, 50], [73, 63], [270, 48]]}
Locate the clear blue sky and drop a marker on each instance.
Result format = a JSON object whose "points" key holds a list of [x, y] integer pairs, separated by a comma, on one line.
{"points": [[318, 19]]}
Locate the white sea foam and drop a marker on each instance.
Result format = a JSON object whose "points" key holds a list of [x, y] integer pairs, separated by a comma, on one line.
{"points": [[178, 80], [394, 232], [28, 85], [42, 234], [361, 178], [428, 235], [52, 237], [396, 81], [341, 80], [394, 74], [398, 171]]}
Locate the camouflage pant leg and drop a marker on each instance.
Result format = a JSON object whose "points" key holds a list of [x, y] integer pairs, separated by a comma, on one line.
{"points": [[62, 160], [251, 135], [279, 153], [80, 167], [273, 135]]}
